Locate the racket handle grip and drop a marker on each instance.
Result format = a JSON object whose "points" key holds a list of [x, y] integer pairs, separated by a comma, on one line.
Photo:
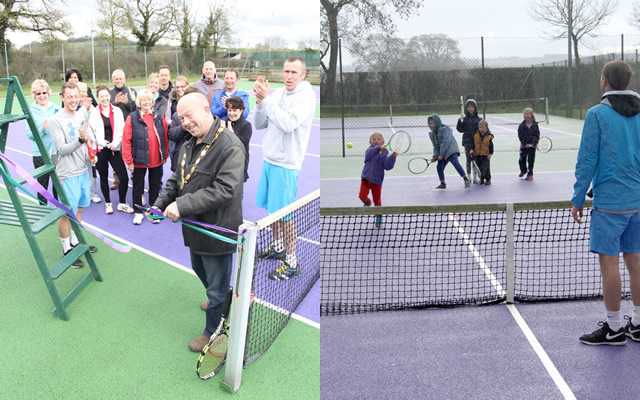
{"points": [[227, 302]]}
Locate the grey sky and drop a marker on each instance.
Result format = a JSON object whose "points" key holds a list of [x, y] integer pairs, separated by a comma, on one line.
{"points": [[254, 20], [495, 18]]}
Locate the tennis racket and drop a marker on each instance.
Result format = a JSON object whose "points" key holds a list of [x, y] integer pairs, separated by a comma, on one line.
{"points": [[400, 142], [214, 353], [544, 144], [475, 170], [418, 165]]}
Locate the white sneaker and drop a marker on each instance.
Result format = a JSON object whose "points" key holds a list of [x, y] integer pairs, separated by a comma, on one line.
{"points": [[153, 220], [125, 208], [108, 208], [137, 220], [95, 198]]}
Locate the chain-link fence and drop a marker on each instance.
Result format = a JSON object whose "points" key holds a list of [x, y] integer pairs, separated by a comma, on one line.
{"points": [[51, 61], [400, 82]]}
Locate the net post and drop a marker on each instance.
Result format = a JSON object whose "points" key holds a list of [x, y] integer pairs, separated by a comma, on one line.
{"points": [[546, 110], [245, 257], [510, 254]]}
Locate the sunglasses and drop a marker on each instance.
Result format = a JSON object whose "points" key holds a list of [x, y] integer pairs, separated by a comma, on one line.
{"points": [[42, 93]]}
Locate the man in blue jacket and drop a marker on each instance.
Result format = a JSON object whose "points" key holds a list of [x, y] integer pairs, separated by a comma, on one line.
{"points": [[609, 159]]}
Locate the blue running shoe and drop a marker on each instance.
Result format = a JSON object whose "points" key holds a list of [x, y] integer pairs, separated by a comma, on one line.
{"points": [[284, 272], [272, 253]]}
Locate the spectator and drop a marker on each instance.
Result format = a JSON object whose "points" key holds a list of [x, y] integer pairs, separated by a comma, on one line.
{"points": [[107, 123], [41, 111], [218, 107], [145, 147], [160, 103], [164, 74], [209, 84]]}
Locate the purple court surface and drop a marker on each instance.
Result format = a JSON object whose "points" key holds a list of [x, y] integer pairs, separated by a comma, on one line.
{"points": [[519, 351], [165, 239], [419, 191]]}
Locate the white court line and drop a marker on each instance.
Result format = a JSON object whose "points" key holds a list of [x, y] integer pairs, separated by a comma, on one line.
{"points": [[542, 355], [522, 324], [284, 312], [166, 260], [476, 254], [433, 176]]}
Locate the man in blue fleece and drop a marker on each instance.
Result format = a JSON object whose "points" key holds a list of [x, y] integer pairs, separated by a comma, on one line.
{"points": [[287, 114], [609, 159]]}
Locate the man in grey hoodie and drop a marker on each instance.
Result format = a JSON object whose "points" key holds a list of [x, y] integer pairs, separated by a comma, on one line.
{"points": [[287, 115], [69, 134], [209, 84]]}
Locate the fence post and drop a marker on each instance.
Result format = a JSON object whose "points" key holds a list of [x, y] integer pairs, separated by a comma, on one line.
{"points": [[177, 63], [146, 70], [6, 58], [341, 95], [64, 70], [204, 55], [108, 62], [484, 102], [622, 46]]}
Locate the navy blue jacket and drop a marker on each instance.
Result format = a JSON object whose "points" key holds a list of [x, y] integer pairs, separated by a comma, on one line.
{"points": [[140, 138]]}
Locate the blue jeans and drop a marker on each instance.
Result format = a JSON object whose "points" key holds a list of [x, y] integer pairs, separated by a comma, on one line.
{"points": [[453, 159], [215, 274]]}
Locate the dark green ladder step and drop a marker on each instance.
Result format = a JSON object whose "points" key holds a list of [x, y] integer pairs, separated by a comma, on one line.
{"points": [[9, 118], [61, 266], [38, 172]]}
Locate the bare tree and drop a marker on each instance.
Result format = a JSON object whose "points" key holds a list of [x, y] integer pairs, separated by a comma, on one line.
{"points": [[586, 18], [273, 42], [378, 53], [309, 43], [432, 51], [149, 20], [111, 21], [217, 28], [185, 25], [365, 16], [40, 16]]}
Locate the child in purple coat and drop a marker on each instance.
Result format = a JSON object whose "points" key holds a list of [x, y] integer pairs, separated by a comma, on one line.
{"points": [[376, 160]]}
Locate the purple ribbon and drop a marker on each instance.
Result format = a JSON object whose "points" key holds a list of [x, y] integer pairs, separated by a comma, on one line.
{"points": [[41, 190]]}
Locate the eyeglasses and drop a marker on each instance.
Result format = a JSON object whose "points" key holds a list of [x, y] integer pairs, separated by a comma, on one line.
{"points": [[42, 93]]}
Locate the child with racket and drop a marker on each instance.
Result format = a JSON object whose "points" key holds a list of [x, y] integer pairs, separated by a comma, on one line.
{"points": [[376, 160], [468, 125], [529, 134], [482, 151], [445, 150]]}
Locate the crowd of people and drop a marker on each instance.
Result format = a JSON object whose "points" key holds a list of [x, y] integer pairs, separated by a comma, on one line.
{"points": [[203, 131]]}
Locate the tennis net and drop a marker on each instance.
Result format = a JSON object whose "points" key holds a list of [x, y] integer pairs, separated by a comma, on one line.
{"points": [[276, 300], [455, 255]]}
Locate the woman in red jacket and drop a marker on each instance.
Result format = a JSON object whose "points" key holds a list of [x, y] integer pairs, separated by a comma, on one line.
{"points": [[145, 146]]}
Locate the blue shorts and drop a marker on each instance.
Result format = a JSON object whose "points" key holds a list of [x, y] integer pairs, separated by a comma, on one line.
{"points": [[612, 234], [277, 188], [78, 191]]}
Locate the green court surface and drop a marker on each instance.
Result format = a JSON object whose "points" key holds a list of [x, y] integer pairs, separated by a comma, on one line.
{"points": [[127, 336], [564, 132]]}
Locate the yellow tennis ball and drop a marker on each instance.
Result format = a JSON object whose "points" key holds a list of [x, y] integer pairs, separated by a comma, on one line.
{"points": [[349, 145]]}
